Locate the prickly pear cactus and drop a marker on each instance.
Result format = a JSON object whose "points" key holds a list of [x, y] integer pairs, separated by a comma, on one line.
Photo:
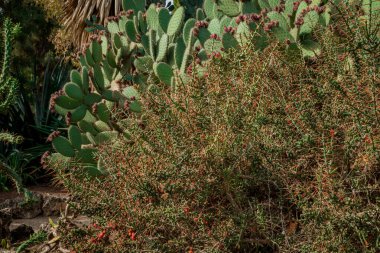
{"points": [[137, 49], [148, 48], [292, 22]]}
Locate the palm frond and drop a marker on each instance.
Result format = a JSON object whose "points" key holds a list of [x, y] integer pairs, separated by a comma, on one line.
{"points": [[77, 11]]}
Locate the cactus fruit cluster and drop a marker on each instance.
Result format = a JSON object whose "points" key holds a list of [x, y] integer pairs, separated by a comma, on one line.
{"points": [[150, 47], [291, 22]]}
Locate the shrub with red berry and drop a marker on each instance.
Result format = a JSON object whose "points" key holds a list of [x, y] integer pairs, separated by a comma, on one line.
{"points": [[269, 153]]}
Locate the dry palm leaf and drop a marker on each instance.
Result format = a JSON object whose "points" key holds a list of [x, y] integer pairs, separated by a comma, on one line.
{"points": [[77, 11]]}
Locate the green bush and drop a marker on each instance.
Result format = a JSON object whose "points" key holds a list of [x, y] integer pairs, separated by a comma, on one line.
{"points": [[270, 152], [148, 49]]}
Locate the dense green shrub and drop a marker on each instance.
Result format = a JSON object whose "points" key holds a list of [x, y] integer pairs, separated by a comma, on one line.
{"points": [[148, 49], [270, 152]]}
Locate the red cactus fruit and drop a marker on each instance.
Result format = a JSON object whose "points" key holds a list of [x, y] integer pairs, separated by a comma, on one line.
{"points": [[53, 135], [68, 118]]}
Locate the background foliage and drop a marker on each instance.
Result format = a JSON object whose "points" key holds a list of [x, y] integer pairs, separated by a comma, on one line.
{"points": [[39, 73]]}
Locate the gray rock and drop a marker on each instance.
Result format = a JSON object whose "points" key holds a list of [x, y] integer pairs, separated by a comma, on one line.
{"points": [[21, 233], [46, 204], [54, 204], [22, 209], [5, 221]]}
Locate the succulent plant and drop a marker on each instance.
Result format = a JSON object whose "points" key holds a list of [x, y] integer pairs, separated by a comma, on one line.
{"points": [[139, 44], [143, 48], [291, 22], [8, 96], [8, 84]]}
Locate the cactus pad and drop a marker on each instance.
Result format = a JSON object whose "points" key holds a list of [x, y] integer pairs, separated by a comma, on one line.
{"points": [[164, 19], [164, 72], [176, 21], [229, 7], [75, 137], [73, 91], [63, 146]]}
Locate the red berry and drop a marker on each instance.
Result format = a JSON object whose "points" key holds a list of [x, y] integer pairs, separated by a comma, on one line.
{"points": [[101, 235]]}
